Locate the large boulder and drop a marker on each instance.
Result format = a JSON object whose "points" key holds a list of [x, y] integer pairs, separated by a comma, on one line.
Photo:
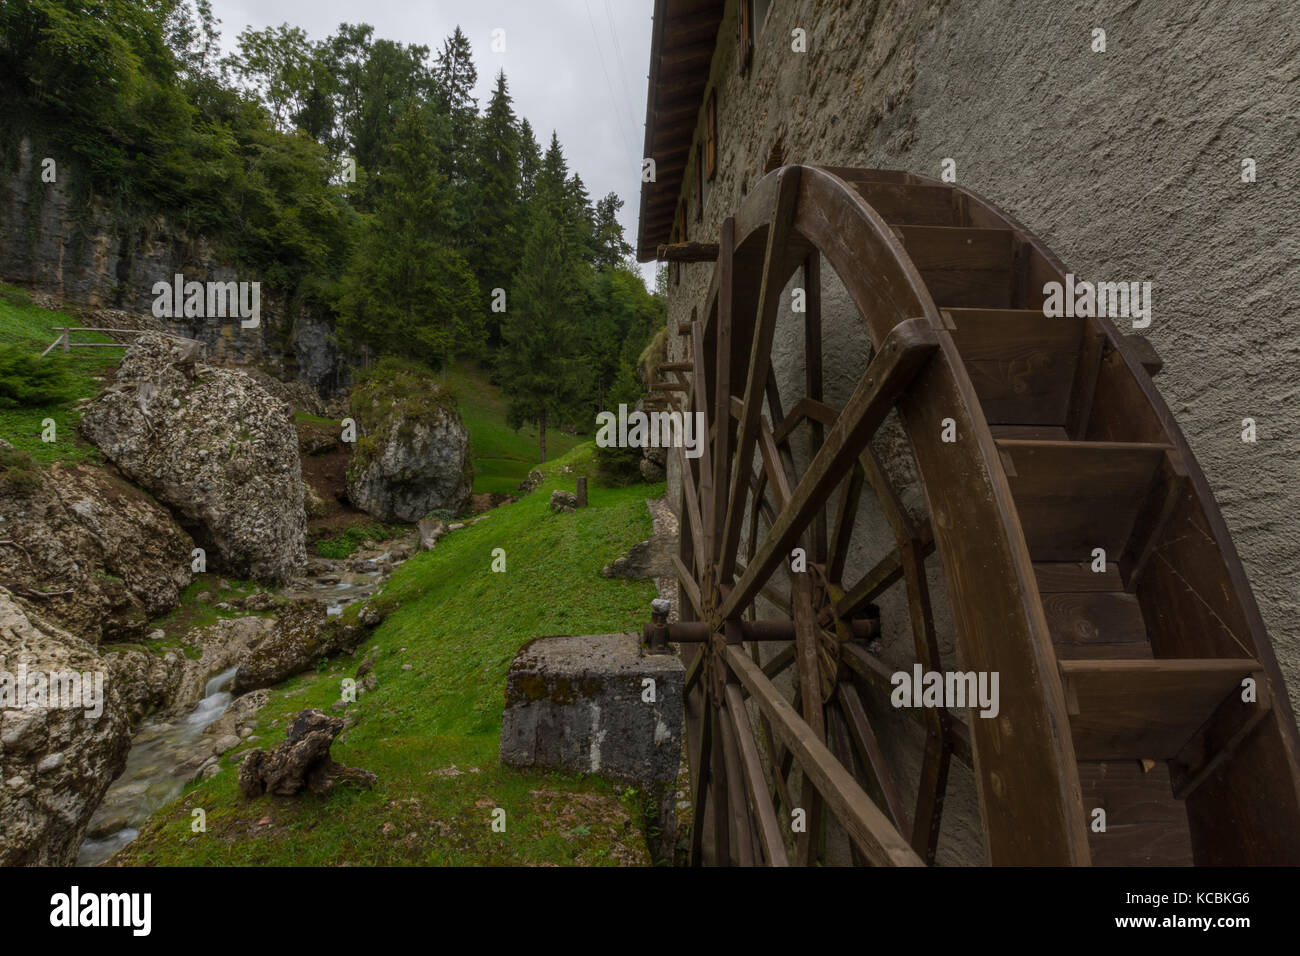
{"points": [[100, 556], [413, 454], [56, 762], [214, 446], [300, 637]]}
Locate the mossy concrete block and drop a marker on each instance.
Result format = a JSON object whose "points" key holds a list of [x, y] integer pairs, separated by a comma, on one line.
{"points": [[594, 704]]}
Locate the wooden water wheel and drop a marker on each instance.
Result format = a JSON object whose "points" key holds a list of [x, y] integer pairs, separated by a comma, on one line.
{"points": [[1140, 683]]}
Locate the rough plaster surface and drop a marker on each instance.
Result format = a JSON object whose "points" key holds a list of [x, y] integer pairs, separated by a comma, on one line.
{"points": [[1126, 163]]}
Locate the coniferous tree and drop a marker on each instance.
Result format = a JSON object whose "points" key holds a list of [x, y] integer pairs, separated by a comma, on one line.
{"points": [[454, 77], [580, 217], [408, 292], [496, 251], [530, 161], [406, 255], [540, 365], [611, 248]]}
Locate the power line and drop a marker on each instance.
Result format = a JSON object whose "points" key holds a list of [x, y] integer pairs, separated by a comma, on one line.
{"points": [[622, 63], [608, 85]]}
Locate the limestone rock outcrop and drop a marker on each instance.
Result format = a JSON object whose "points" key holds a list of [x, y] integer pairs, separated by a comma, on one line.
{"points": [[57, 240], [214, 446], [56, 762], [413, 454], [563, 501], [99, 556], [300, 637]]}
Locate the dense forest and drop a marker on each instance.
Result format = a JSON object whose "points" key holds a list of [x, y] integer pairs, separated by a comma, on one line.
{"points": [[355, 174]]}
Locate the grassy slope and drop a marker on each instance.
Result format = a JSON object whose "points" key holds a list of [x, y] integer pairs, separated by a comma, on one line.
{"points": [[502, 456], [33, 328], [458, 625]]}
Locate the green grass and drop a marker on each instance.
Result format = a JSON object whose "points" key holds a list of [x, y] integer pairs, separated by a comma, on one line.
{"points": [[33, 328], [193, 614], [502, 456], [342, 545], [458, 625], [305, 418]]}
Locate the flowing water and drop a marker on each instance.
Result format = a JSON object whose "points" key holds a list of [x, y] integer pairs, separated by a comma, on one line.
{"points": [[163, 744], [149, 781]]}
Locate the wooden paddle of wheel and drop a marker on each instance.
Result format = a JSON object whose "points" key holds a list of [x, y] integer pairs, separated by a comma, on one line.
{"points": [[1121, 688]]}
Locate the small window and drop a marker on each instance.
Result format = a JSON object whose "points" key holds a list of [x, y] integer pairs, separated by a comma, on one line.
{"points": [[749, 27], [711, 136], [744, 41], [699, 184]]}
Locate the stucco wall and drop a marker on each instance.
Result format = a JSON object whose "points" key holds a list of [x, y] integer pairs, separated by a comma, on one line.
{"points": [[1126, 163]]}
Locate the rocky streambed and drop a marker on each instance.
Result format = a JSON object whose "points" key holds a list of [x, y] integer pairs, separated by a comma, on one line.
{"points": [[186, 740]]}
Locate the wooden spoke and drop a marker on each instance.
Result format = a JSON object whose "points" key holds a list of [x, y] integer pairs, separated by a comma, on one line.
{"points": [[864, 740], [845, 516], [694, 669], [866, 826], [704, 463], [910, 345], [721, 799], [739, 814], [804, 410], [895, 513], [769, 831], [773, 467], [930, 791], [844, 754], [780, 662], [722, 383], [692, 508], [876, 674], [687, 586], [886, 572], [812, 284], [806, 652], [699, 790], [760, 358]]}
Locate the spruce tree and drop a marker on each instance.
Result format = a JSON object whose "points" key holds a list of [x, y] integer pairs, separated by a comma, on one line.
{"points": [[455, 75], [530, 161], [540, 367], [496, 251], [407, 291], [611, 248]]}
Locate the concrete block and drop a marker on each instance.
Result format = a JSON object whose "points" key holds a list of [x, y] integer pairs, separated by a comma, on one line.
{"points": [[584, 704]]}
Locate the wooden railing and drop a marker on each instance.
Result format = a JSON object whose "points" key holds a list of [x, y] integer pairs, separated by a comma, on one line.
{"points": [[66, 339]]}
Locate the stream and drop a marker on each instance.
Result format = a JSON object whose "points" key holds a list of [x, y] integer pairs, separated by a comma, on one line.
{"points": [[152, 776], [148, 782]]}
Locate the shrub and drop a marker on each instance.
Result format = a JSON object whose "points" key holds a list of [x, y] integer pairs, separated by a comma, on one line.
{"points": [[18, 473], [620, 467], [27, 381]]}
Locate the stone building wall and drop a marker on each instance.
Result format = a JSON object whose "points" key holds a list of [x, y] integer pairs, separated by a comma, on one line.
{"points": [[1126, 163]]}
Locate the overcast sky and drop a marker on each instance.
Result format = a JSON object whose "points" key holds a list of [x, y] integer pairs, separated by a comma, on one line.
{"points": [[574, 66]]}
